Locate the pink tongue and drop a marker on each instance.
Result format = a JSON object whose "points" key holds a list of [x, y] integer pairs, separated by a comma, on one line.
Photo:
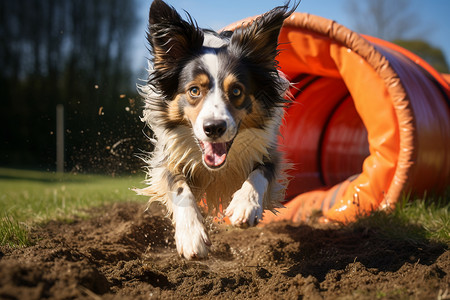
{"points": [[215, 153]]}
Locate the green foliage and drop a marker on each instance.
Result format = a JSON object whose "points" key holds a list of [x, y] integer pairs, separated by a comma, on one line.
{"points": [[432, 214], [29, 198], [13, 232], [418, 220], [434, 56], [76, 53]]}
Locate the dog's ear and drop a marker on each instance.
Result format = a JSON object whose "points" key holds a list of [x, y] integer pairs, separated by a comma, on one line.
{"points": [[258, 41], [173, 41], [171, 38]]}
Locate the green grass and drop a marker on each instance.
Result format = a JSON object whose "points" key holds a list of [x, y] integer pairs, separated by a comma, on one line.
{"points": [[418, 220], [28, 198]]}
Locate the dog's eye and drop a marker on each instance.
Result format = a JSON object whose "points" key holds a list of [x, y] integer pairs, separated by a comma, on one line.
{"points": [[194, 92], [236, 92]]}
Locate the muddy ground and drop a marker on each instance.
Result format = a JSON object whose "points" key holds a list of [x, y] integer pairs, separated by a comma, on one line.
{"points": [[121, 252]]}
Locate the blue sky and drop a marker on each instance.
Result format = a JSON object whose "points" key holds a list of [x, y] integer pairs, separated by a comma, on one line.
{"points": [[434, 15]]}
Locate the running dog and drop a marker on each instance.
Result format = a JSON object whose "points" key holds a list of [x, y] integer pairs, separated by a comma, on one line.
{"points": [[214, 102]]}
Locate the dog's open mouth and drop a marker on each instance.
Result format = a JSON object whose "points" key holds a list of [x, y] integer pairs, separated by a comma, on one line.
{"points": [[215, 154]]}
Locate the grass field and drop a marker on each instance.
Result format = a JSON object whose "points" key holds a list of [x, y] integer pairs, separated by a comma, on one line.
{"points": [[30, 198], [417, 220]]}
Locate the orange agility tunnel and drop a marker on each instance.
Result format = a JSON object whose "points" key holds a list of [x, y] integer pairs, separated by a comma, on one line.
{"points": [[370, 122]]}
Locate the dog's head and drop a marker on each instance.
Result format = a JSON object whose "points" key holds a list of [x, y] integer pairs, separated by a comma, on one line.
{"points": [[216, 83]]}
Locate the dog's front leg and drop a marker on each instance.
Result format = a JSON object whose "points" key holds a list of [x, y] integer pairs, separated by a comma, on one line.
{"points": [[190, 235], [246, 207]]}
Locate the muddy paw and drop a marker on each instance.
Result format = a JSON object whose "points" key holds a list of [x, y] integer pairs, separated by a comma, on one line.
{"points": [[246, 207]]}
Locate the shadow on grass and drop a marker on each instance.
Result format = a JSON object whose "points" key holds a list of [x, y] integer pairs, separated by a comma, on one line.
{"points": [[381, 242]]}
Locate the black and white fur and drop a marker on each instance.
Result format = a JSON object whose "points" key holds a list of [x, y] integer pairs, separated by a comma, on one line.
{"points": [[214, 102]]}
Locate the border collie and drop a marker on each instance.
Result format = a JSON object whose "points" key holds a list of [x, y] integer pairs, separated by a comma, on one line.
{"points": [[214, 102]]}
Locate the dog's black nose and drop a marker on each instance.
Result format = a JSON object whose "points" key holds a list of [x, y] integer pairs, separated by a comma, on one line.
{"points": [[214, 128]]}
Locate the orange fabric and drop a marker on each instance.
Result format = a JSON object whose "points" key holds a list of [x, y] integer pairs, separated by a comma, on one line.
{"points": [[447, 78], [370, 121], [443, 82], [429, 96], [304, 123], [323, 57], [344, 144], [374, 104]]}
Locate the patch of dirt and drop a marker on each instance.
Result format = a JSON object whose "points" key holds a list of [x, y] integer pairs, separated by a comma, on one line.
{"points": [[123, 252]]}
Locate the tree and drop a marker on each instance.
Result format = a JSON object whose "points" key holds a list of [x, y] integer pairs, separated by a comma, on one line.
{"points": [[395, 21], [73, 52], [385, 19]]}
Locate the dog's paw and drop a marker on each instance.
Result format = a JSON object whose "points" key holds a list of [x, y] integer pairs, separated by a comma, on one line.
{"points": [[190, 236], [246, 206]]}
